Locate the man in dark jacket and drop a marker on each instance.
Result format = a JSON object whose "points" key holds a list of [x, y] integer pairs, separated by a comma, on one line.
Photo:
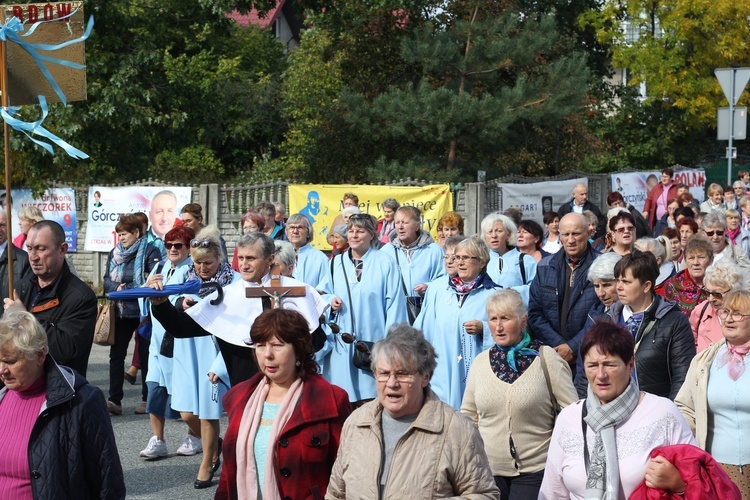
{"points": [[561, 295], [579, 204], [60, 301], [663, 337], [21, 268]]}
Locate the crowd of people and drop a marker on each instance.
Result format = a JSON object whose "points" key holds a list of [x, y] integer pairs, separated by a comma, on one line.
{"points": [[600, 355]]}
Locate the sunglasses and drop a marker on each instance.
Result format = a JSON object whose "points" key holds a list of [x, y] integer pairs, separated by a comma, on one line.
{"points": [[365, 217], [348, 338], [716, 295], [199, 243], [176, 246], [718, 232], [628, 229]]}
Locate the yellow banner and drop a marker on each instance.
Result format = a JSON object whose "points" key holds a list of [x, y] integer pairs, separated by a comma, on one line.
{"points": [[321, 203]]}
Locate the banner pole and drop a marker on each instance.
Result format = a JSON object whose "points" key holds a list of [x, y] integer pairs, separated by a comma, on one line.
{"points": [[6, 138]]}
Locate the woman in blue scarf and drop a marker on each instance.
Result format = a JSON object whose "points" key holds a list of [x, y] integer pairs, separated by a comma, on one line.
{"points": [[513, 394], [128, 266]]}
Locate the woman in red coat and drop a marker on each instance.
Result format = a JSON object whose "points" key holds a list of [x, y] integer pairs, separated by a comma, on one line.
{"points": [[656, 203], [285, 422]]}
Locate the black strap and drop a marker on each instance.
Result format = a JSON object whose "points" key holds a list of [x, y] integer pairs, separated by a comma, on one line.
{"points": [[400, 274], [698, 327], [585, 412], [348, 290], [523, 269]]}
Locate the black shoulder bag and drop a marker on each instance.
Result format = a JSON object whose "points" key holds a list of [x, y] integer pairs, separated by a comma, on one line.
{"points": [[413, 302], [362, 348]]}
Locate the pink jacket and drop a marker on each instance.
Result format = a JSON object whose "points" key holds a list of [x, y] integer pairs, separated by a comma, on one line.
{"points": [[705, 478], [706, 329]]}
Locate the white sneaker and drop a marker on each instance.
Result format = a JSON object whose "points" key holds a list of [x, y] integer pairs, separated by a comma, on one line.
{"points": [[155, 449], [191, 446]]}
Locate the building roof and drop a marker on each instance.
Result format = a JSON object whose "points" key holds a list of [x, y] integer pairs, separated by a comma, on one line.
{"points": [[253, 17]]}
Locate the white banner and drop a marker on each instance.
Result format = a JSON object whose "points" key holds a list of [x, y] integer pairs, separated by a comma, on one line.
{"points": [[635, 186], [161, 204], [539, 197]]}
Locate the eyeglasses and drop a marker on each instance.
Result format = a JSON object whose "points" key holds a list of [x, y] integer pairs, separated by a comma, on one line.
{"points": [[363, 217], [400, 376], [718, 232], [296, 228], [464, 258], [199, 243], [263, 347], [735, 315], [716, 295], [628, 229], [176, 246]]}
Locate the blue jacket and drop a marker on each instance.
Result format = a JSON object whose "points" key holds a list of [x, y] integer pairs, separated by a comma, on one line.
{"points": [[546, 299]]}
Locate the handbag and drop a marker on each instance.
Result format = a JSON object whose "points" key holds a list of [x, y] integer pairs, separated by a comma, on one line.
{"points": [[167, 345], [414, 302], [104, 331]]}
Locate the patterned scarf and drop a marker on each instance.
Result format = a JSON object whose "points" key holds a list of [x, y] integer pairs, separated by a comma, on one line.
{"points": [[460, 287], [223, 277], [733, 357], [509, 363], [122, 256], [603, 476]]}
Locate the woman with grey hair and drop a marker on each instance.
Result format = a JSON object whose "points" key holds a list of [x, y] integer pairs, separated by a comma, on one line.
{"points": [[386, 224], [662, 250], [311, 264], [507, 267], [440, 453], [454, 318], [54, 421], [284, 257], [714, 227], [364, 289], [720, 279], [508, 398], [602, 275]]}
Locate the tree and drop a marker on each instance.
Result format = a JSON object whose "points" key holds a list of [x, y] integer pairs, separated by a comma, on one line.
{"points": [[487, 85], [674, 46]]}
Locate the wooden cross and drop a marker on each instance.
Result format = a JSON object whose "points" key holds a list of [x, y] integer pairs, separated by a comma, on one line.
{"points": [[276, 292]]}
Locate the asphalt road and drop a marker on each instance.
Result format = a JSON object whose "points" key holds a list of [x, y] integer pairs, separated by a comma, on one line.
{"points": [[168, 478]]}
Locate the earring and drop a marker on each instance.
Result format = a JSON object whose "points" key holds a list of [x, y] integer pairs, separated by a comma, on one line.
{"points": [[297, 363]]}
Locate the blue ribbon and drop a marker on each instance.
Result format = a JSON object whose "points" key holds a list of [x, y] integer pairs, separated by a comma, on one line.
{"points": [[36, 128], [10, 33]]}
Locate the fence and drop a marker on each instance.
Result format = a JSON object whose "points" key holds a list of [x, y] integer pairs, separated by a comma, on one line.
{"points": [[224, 205]]}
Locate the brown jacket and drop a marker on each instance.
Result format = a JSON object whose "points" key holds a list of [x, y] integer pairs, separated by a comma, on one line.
{"points": [[440, 456]]}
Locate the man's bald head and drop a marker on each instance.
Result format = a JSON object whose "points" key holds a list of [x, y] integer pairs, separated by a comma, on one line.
{"points": [[574, 235]]}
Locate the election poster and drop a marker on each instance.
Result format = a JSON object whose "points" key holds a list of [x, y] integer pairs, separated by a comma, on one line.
{"points": [[538, 197], [58, 204], [161, 204], [321, 203], [636, 186]]}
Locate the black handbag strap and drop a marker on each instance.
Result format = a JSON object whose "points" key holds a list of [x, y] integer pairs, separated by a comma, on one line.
{"points": [[400, 274], [521, 266], [348, 291], [584, 412], [700, 319], [555, 404]]}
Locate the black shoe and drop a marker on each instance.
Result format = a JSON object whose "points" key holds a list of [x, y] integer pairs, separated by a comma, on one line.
{"points": [[217, 463], [199, 485], [130, 378]]}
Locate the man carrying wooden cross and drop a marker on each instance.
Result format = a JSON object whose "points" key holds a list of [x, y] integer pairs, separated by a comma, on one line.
{"points": [[244, 300]]}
